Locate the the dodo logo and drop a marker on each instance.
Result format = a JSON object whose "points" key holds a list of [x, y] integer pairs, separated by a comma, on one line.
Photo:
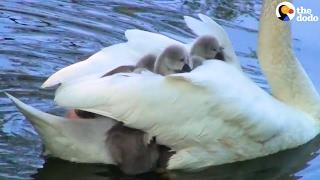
{"points": [[285, 11]]}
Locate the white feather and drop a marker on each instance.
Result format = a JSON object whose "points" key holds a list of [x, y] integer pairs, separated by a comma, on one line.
{"points": [[138, 40], [95, 66]]}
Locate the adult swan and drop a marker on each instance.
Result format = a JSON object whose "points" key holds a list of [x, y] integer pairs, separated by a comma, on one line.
{"points": [[215, 114]]}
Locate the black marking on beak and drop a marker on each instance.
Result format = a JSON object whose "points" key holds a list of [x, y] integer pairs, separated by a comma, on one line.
{"points": [[186, 68], [220, 54]]}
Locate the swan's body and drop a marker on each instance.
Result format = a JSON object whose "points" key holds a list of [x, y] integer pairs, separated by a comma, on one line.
{"points": [[219, 126], [215, 114]]}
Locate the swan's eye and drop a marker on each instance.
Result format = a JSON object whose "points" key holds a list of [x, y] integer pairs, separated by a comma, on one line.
{"points": [[213, 49], [182, 60]]}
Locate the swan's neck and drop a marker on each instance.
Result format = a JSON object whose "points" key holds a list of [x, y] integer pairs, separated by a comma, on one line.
{"points": [[288, 80]]}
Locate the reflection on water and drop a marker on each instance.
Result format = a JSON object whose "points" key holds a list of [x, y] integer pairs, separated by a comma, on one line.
{"points": [[39, 37]]}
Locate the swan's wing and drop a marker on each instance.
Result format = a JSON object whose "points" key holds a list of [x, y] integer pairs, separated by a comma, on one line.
{"points": [[96, 65], [139, 44], [147, 42], [207, 26]]}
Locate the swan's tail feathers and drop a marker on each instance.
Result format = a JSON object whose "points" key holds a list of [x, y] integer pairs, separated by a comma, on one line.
{"points": [[147, 42], [38, 118], [45, 124], [80, 140]]}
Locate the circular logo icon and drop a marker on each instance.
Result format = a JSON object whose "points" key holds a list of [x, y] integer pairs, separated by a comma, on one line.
{"points": [[285, 11]]}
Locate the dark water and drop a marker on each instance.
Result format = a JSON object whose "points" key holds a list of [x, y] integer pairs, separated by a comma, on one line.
{"points": [[39, 37]]}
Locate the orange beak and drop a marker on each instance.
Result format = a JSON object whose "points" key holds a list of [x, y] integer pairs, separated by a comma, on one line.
{"points": [[286, 10]]}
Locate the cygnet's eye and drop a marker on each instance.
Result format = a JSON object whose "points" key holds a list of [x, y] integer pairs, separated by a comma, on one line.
{"points": [[182, 59], [213, 49]]}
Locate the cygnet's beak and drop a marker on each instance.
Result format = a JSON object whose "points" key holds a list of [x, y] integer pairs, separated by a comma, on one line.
{"points": [[186, 68], [220, 54]]}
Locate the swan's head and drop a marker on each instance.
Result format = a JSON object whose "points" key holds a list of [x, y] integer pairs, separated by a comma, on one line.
{"points": [[174, 59]]}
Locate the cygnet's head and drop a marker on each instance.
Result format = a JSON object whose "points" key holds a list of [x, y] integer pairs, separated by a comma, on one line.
{"points": [[206, 47], [174, 59]]}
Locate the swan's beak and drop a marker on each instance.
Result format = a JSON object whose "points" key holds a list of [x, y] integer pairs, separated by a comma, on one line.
{"points": [[186, 68]]}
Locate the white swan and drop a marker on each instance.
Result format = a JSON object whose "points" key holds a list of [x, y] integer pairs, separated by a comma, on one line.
{"points": [[214, 114]]}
